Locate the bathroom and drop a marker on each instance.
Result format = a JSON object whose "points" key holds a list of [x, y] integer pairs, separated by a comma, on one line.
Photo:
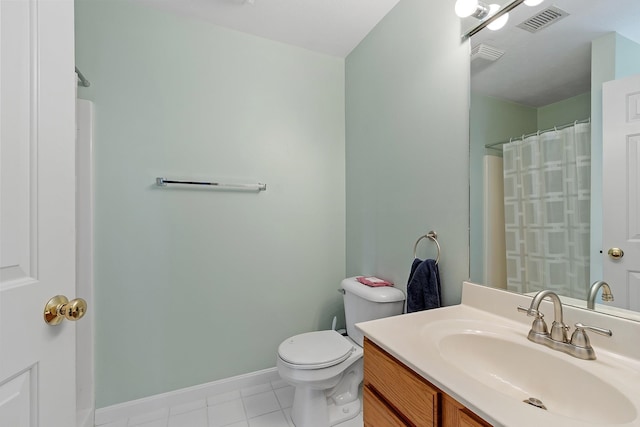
{"points": [[360, 155], [214, 281]]}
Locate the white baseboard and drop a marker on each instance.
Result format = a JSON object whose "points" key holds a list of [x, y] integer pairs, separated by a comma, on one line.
{"points": [[178, 397]]}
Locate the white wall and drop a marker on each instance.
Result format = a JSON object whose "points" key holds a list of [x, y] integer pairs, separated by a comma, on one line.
{"points": [[193, 285], [408, 145]]}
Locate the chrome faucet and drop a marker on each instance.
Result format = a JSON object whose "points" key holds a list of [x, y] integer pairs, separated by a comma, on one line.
{"points": [[593, 291], [539, 328], [579, 345]]}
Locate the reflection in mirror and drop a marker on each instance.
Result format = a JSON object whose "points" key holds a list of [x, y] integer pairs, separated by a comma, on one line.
{"points": [[476, 15], [536, 144]]}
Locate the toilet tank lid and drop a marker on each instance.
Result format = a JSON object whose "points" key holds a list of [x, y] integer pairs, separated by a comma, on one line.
{"points": [[374, 294]]}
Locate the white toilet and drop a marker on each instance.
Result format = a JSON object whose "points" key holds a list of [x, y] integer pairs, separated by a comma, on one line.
{"points": [[325, 367]]}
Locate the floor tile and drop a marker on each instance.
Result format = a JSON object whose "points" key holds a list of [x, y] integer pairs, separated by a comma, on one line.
{"points": [[121, 423], [162, 422], [256, 389], [279, 383], [259, 404], [285, 396], [274, 419], [226, 413], [265, 405], [188, 407], [223, 397], [151, 416], [197, 418], [287, 415]]}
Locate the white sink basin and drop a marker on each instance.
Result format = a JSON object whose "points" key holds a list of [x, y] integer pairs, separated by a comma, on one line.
{"points": [[478, 353], [513, 366]]}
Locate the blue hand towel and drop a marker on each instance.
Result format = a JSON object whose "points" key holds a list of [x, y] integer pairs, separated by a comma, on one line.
{"points": [[423, 288]]}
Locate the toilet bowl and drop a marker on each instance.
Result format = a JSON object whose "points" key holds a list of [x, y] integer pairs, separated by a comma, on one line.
{"points": [[325, 367], [326, 370]]}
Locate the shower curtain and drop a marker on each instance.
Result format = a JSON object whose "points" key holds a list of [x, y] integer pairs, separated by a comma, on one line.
{"points": [[547, 193]]}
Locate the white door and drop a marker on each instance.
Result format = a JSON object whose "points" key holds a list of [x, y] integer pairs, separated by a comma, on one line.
{"points": [[37, 208], [621, 189]]}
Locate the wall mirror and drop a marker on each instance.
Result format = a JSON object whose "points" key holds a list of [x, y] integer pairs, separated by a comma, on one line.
{"points": [[544, 71]]}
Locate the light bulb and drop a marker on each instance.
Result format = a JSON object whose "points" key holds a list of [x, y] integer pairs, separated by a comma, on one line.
{"points": [[498, 23], [465, 8], [532, 2], [493, 9]]}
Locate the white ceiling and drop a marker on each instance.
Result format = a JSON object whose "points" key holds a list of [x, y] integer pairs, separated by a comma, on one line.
{"points": [[536, 70], [333, 27], [555, 63]]}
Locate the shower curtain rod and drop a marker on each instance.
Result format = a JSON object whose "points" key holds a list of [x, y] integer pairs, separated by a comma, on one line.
{"points": [[540, 132], [82, 79]]}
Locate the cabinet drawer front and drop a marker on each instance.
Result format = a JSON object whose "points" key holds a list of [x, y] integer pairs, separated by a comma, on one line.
{"points": [[408, 393], [376, 412]]}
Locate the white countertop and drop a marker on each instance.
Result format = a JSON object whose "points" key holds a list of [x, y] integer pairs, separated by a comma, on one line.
{"points": [[410, 339]]}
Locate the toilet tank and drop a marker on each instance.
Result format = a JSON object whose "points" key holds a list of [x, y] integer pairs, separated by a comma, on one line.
{"points": [[362, 303]]}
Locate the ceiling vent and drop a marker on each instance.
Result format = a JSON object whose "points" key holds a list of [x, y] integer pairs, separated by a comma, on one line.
{"points": [[543, 19], [484, 51]]}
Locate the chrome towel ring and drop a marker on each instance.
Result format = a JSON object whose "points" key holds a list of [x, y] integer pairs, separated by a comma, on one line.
{"points": [[430, 235]]}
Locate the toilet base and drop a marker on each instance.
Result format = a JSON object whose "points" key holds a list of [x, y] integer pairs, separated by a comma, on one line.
{"points": [[341, 413], [311, 408]]}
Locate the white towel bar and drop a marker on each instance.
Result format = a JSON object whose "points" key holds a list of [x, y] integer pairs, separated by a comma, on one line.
{"points": [[162, 182]]}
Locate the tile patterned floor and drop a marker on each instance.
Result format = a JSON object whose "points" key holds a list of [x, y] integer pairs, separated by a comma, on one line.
{"points": [[266, 405]]}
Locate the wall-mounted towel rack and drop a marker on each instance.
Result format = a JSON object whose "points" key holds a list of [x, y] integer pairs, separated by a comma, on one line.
{"points": [[430, 235], [163, 182]]}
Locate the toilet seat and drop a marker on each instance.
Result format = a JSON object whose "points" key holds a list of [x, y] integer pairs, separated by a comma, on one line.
{"points": [[315, 350]]}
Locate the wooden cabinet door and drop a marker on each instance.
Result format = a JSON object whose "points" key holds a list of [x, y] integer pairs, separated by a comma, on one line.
{"points": [[405, 391], [455, 414], [377, 413]]}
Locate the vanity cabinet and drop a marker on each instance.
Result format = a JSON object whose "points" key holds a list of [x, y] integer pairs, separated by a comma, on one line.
{"points": [[395, 396]]}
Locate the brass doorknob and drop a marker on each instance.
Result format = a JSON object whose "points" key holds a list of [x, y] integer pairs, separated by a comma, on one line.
{"points": [[616, 253], [59, 308]]}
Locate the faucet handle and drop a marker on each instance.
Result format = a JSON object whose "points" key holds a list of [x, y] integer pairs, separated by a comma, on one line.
{"points": [[579, 337], [531, 312], [597, 330], [539, 327]]}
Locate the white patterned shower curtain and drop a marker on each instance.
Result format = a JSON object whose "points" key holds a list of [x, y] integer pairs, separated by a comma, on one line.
{"points": [[547, 193]]}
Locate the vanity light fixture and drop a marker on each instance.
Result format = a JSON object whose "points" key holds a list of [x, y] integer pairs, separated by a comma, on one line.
{"points": [[493, 15], [532, 2], [481, 11], [475, 8]]}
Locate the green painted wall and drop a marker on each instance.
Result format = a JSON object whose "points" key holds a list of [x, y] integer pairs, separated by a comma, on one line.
{"points": [[407, 109], [627, 57], [565, 111], [194, 285]]}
